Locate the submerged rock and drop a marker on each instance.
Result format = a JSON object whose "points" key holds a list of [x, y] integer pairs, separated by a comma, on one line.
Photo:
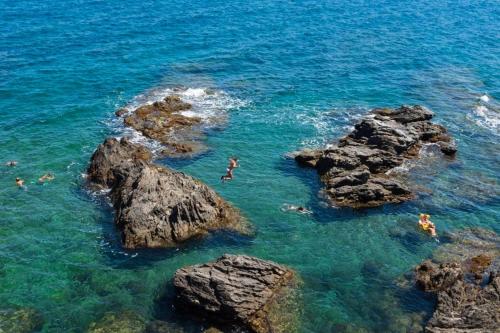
{"points": [[21, 320], [238, 291], [124, 322], [154, 205], [163, 121], [355, 171]]}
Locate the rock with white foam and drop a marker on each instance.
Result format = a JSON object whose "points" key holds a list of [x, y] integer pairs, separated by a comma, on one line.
{"points": [[356, 170]]}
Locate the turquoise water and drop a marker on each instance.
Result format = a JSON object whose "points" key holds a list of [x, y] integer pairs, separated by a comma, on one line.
{"points": [[286, 75]]}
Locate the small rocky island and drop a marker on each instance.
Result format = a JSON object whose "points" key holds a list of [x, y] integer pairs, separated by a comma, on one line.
{"points": [[238, 291], [165, 122], [355, 171], [154, 205]]}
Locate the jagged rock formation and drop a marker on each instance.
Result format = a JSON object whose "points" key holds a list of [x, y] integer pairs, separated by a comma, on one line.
{"points": [[236, 290], [156, 206], [163, 121], [465, 276], [355, 170], [462, 306]]}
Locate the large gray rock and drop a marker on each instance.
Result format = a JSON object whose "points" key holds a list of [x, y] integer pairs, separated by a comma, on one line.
{"points": [[156, 206], [237, 290], [355, 170]]}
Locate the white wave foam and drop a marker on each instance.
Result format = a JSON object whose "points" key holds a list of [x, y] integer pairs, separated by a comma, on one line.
{"points": [[486, 114], [329, 125], [211, 105]]}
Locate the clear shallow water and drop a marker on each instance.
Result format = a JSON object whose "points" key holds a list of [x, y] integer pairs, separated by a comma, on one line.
{"points": [[293, 74]]}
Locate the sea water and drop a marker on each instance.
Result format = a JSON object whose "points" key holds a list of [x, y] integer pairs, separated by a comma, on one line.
{"points": [[284, 75]]}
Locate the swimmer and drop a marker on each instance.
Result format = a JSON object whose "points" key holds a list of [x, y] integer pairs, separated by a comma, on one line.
{"points": [[11, 163], [427, 225], [293, 208], [19, 182], [233, 163], [47, 176]]}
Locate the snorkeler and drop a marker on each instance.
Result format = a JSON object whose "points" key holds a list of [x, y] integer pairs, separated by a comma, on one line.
{"points": [[11, 163], [19, 182], [427, 225], [47, 176], [293, 208], [233, 163]]}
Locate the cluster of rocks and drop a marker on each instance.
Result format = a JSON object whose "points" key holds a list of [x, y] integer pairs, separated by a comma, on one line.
{"points": [[154, 205], [467, 287], [356, 170], [164, 122]]}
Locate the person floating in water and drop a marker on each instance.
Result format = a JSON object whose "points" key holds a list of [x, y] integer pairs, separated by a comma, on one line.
{"points": [[19, 182], [427, 225], [11, 163], [293, 208], [47, 176], [233, 163]]}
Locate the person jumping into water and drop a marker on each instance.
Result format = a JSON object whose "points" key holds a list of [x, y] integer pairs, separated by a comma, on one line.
{"points": [[427, 225], [233, 163]]}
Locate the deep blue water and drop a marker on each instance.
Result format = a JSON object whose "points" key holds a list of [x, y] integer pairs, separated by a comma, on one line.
{"points": [[286, 75]]}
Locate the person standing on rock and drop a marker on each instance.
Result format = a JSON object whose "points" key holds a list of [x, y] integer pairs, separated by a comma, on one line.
{"points": [[233, 163]]}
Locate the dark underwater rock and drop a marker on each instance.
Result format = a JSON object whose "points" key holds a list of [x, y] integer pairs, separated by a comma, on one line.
{"points": [[20, 320], [237, 291], [163, 121], [154, 205], [355, 171], [123, 322]]}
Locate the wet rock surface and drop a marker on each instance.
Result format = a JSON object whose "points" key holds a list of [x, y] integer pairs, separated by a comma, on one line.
{"points": [[355, 171], [237, 291], [154, 205], [163, 121], [467, 286], [20, 320]]}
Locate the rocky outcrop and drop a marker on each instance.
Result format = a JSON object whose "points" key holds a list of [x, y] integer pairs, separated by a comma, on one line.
{"points": [[465, 276], [164, 121], [355, 171], [154, 205], [237, 290], [462, 306]]}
